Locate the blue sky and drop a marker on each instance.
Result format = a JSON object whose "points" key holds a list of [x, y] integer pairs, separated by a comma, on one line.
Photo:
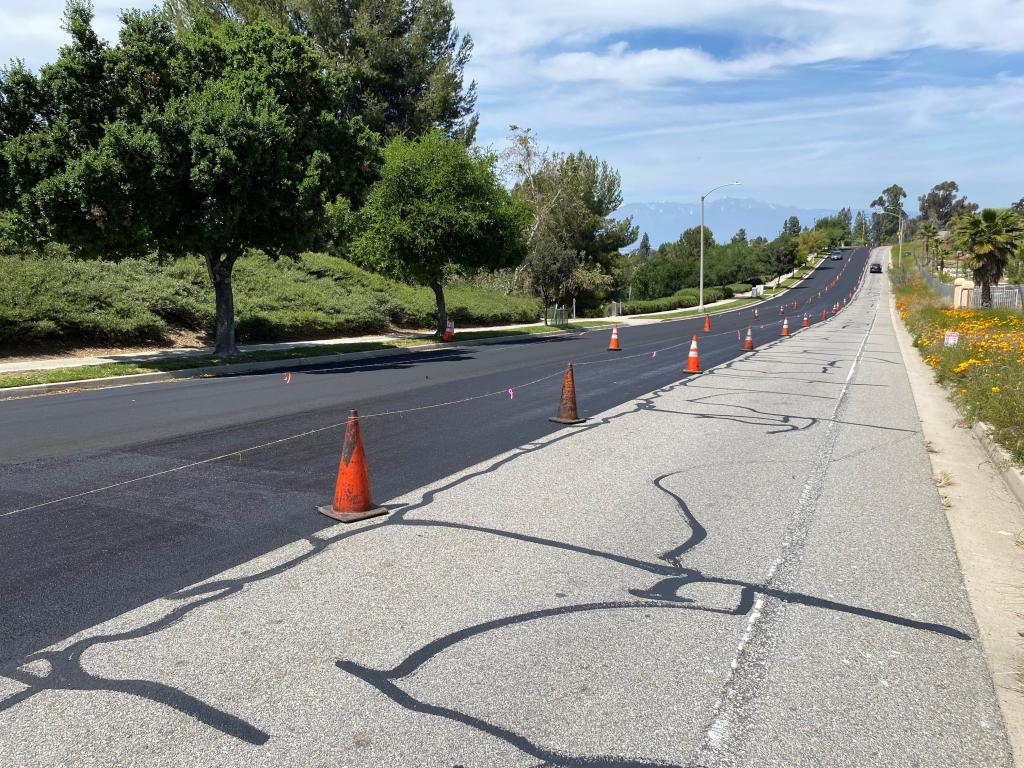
{"points": [[816, 103]]}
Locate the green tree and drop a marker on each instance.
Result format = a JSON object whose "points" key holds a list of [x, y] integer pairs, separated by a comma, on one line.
{"points": [[1018, 207], [643, 252], [593, 192], [811, 241], [437, 208], [405, 58], [573, 197], [211, 141], [780, 256], [990, 239], [836, 228], [549, 267], [928, 232], [941, 204], [792, 227], [688, 244], [740, 236], [891, 201], [860, 229]]}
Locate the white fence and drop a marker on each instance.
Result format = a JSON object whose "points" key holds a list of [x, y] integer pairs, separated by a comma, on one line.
{"points": [[1003, 297]]}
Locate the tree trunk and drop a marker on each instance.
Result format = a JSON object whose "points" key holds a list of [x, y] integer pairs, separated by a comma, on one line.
{"points": [[442, 314], [219, 269]]}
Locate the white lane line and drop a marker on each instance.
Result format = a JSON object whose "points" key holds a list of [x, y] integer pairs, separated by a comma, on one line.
{"points": [[727, 707]]}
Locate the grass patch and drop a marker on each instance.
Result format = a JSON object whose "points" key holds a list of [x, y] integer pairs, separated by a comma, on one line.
{"points": [[984, 371]]}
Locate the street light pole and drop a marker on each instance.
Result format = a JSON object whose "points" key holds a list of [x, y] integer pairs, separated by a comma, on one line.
{"points": [[900, 216], [720, 186]]}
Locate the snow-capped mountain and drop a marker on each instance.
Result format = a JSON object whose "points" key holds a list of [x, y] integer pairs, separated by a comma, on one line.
{"points": [[664, 222]]}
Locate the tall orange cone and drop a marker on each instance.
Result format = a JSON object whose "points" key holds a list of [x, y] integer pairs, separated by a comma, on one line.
{"points": [[748, 343], [613, 345], [757, 315], [693, 360], [567, 413], [785, 327], [824, 313], [807, 321], [707, 323], [352, 498]]}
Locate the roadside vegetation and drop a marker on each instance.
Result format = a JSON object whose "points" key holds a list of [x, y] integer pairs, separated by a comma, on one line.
{"points": [[984, 370], [62, 301]]}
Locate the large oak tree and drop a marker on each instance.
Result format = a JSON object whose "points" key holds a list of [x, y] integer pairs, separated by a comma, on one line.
{"points": [[212, 140]]}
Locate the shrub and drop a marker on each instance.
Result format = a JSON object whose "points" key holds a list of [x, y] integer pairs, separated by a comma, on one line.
{"points": [[59, 300]]}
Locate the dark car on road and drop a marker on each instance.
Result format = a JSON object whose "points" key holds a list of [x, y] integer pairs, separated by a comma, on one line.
{"points": [[876, 267]]}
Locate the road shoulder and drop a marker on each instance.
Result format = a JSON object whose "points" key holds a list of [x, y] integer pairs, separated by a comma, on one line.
{"points": [[986, 522]]}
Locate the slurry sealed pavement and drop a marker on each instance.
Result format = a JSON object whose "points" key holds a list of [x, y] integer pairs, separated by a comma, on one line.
{"points": [[747, 567]]}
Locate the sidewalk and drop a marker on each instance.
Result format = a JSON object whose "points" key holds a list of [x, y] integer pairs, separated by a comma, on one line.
{"points": [[750, 567]]}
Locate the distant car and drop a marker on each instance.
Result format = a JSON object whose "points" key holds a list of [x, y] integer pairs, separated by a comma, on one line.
{"points": [[875, 267], [836, 256]]}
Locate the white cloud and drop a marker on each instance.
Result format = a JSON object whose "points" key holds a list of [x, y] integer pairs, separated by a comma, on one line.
{"points": [[515, 39]]}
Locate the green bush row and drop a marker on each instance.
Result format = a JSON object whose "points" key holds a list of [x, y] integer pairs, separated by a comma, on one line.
{"points": [[739, 287], [72, 302], [682, 299]]}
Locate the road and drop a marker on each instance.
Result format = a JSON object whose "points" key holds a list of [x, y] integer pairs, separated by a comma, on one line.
{"points": [[133, 543], [716, 570]]}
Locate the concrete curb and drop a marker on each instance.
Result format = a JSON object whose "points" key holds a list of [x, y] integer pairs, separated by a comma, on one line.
{"points": [[1001, 460], [215, 370]]}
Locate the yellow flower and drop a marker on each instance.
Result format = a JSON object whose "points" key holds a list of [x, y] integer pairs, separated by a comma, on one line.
{"points": [[996, 390]]}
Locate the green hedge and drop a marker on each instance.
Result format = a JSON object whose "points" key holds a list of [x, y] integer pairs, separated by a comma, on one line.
{"points": [[740, 287], [683, 299], [65, 301]]}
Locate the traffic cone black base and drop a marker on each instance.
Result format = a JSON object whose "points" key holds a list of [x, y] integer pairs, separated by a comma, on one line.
{"points": [[351, 517], [567, 412], [352, 497]]}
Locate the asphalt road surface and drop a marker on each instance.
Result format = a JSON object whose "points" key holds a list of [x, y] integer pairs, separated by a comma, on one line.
{"points": [[71, 564], [750, 567]]}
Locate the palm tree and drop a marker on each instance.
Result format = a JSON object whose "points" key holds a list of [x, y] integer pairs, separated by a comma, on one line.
{"points": [[990, 238], [929, 233]]}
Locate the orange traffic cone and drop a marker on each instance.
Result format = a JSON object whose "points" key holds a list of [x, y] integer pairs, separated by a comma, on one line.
{"points": [[693, 360], [807, 321], [449, 331], [785, 327], [352, 498], [824, 313], [748, 343], [613, 345], [782, 310], [707, 323], [757, 315], [567, 413]]}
